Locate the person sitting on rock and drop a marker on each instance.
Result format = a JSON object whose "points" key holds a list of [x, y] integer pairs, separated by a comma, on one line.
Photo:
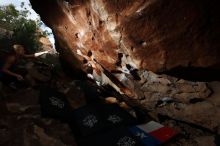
{"points": [[9, 72]]}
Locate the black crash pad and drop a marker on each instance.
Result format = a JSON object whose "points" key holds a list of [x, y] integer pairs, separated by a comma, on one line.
{"points": [[54, 104], [95, 118]]}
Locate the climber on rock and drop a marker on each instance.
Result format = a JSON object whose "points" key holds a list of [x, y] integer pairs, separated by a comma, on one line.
{"points": [[9, 70]]}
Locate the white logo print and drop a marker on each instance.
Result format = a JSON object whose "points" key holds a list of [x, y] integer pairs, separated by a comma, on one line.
{"points": [[90, 121], [114, 119], [141, 135], [126, 141], [56, 102]]}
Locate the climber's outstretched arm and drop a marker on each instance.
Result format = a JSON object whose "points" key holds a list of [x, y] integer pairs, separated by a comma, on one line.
{"points": [[35, 54]]}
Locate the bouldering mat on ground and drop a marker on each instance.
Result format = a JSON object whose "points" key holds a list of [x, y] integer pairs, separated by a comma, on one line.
{"points": [[54, 104], [116, 137], [94, 118]]}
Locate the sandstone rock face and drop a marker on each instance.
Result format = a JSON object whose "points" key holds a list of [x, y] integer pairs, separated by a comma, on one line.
{"points": [[152, 34], [46, 45], [125, 42]]}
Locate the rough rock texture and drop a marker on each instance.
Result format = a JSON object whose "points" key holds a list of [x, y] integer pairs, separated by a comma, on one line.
{"points": [[21, 123], [154, 34], [46, 45], [122, 40], [189, 135]]}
